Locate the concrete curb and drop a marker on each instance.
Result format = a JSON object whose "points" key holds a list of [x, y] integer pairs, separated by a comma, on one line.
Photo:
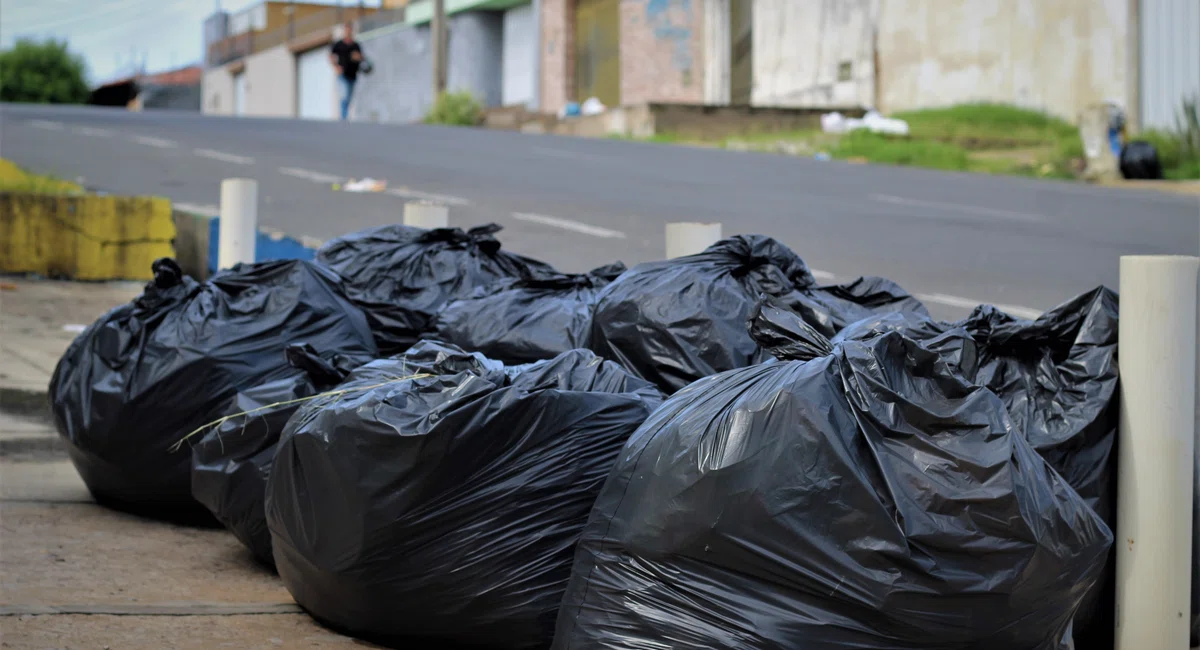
{"points": [[197, 242]]}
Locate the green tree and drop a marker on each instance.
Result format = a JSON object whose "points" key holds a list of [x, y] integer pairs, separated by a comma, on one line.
{"points": [[42, 73]]}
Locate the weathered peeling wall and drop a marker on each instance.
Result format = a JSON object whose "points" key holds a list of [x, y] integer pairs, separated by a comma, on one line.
{"points": [[662, 51], [717, 43], [815, 53], [558, 54], [1055, 56]]}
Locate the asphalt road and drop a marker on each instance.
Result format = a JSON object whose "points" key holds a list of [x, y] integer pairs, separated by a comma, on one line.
{"points": [[954, 239]]}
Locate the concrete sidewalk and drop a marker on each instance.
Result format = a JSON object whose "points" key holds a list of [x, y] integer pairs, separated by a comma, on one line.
{"points": [[75, 575]]}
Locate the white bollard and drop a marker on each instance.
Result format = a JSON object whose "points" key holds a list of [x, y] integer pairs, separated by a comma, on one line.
{"points": [[426, 214], [1156, 347], [684, 238], [238, 227]]}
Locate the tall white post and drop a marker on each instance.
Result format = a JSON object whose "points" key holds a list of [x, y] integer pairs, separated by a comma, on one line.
{"points": [[238, 227], [426, 214], [690, 238], [1156, 348]]}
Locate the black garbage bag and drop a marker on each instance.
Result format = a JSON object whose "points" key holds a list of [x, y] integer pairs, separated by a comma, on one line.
{"points": [[1139, 161], [147, 374], [439, 499], [675, 321], [231, 462], [861, 497], [527, 320], [401, 276], [1057, 376]]}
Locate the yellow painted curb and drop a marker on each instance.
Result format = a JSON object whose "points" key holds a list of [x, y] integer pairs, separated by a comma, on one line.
{"points": [[84, 237]]}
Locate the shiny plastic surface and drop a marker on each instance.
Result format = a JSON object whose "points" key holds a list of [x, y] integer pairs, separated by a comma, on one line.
{"points": [[675, 321], [146, 374], [231, 463], [442, 504], [526, 320], [1057, 376], [401, 276], [867, 499]]}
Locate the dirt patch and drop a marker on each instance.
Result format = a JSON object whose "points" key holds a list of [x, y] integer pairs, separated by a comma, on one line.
{"points": [[32, 449], [77, 553], [1027, 156], [245, 632]]}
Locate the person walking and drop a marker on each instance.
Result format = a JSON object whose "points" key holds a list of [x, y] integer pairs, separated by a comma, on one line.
{"points": [[346, 57]]}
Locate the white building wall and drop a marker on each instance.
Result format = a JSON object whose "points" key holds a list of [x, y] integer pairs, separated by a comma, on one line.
{"points": [[815, 53], [717, 43], [216, 92], [239, 93], [518, 44], [271, 83], [1055, 56], [1058, 56], [316, 89]]}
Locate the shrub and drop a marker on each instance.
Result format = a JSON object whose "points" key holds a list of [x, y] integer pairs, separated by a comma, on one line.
{"points": [[455, 109], [1178, 150], [42, 73]]}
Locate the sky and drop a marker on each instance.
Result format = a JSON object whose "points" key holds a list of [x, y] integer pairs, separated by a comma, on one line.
{"points": [[116, 35]]}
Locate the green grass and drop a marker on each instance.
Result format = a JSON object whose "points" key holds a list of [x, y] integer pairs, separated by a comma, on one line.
{"points": [[1179, 151], [15, 179], [892, 150], [985, 138], [987, 126]]}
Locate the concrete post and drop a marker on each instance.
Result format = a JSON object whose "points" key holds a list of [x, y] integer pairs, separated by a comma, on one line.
{"points": [[1157, 350], [238, 227], [690, 238], [1101, 162], [426, 214]]}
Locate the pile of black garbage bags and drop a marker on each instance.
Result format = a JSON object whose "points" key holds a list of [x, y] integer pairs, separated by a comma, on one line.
{"points": [[436, 441]]}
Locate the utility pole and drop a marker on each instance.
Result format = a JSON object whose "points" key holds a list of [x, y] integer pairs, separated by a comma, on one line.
{"points": [[438, 27]]}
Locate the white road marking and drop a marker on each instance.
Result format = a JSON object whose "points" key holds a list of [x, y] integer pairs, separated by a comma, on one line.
{"points": [[567, 224], [206, 210], [149, 141], [46, 124], [224, 157], [94, 132], [958, 207], [406, 193], [967, 303], [316, 177]]}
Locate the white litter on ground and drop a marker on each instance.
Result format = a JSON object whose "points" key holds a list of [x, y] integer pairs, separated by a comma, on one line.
{"points": [[874, 122]]}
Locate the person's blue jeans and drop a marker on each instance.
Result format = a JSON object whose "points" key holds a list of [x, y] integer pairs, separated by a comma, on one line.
{"points": [[347, 88]]}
